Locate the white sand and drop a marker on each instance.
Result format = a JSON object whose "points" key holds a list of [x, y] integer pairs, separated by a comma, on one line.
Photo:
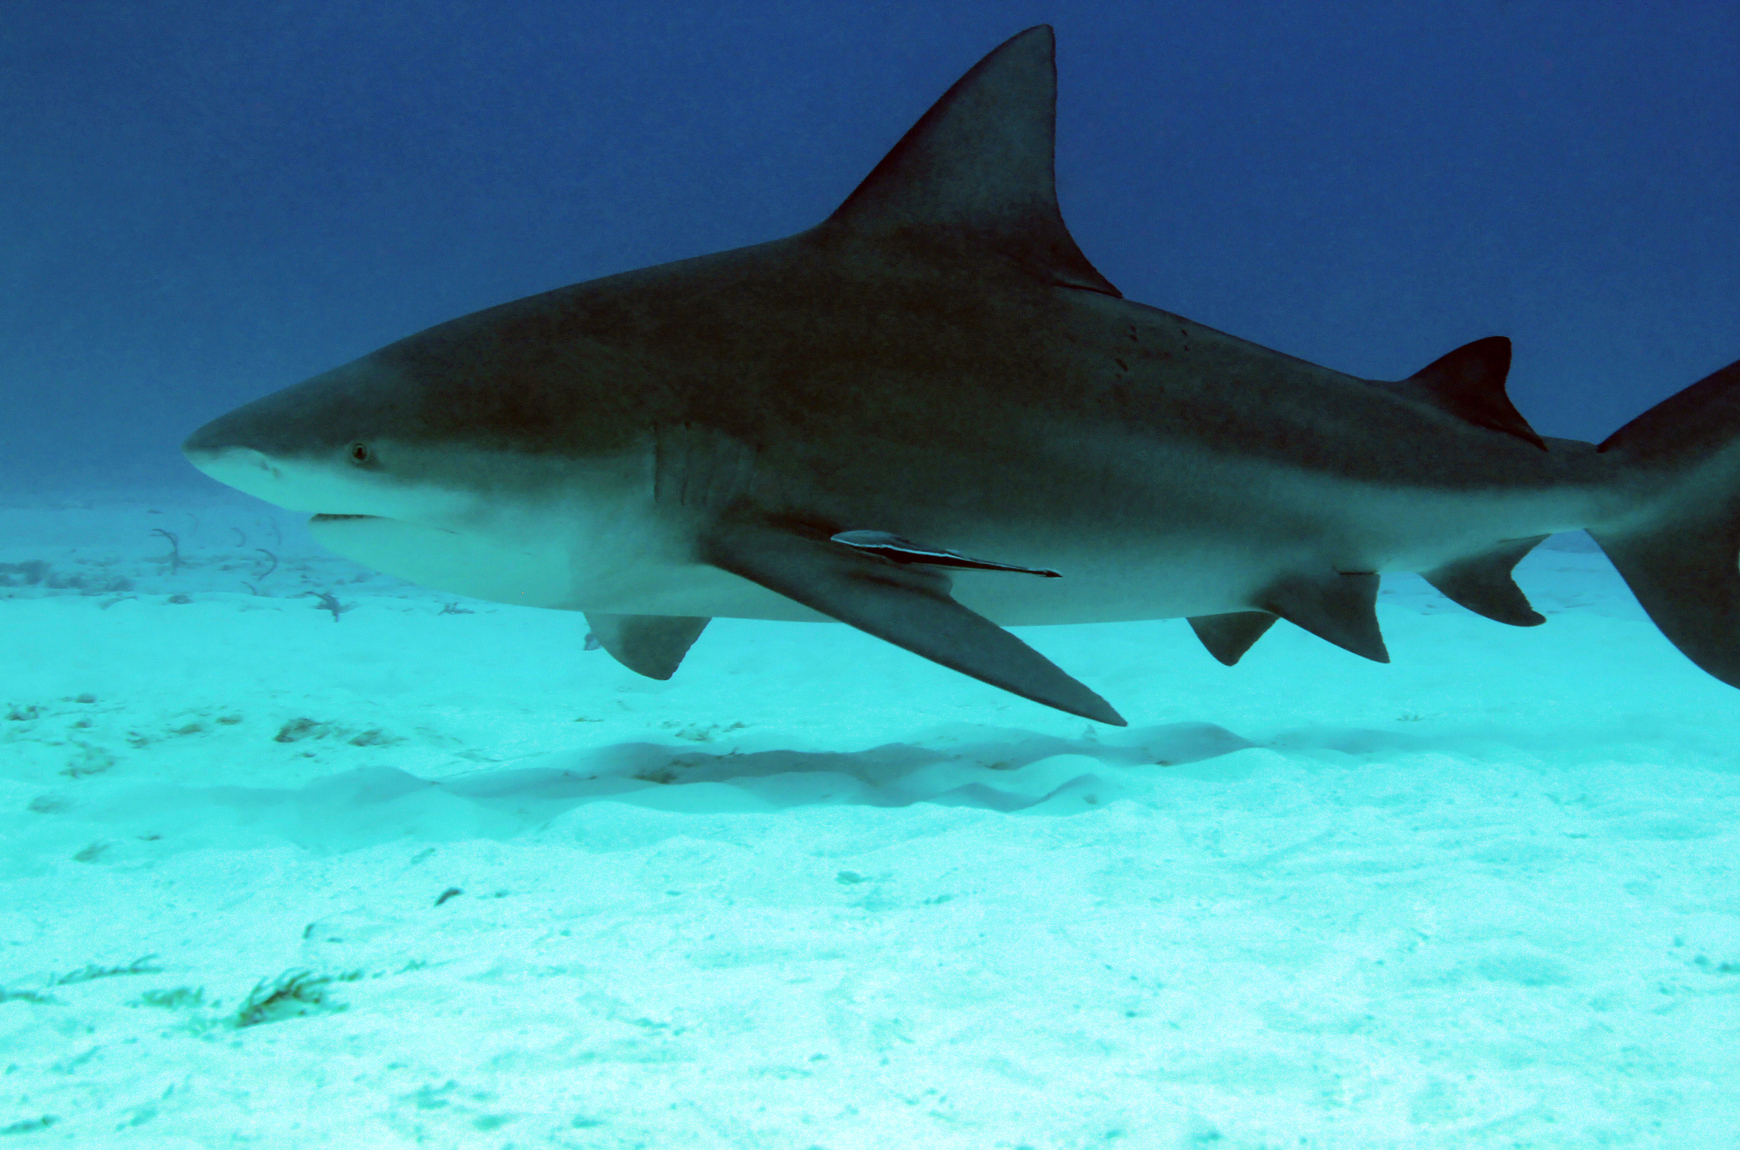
{"points": [[817, 892]]}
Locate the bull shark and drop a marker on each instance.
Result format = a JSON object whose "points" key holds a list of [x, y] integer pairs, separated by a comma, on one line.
{"points": [[930, 417]]}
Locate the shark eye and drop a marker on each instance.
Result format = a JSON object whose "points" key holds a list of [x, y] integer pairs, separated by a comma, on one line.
{"points": [[360, 454]]}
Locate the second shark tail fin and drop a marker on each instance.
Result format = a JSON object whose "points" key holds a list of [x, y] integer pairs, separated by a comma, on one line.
{"points": [[1680, 560]]}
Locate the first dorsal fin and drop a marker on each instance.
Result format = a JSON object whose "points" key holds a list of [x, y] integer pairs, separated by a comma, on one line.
{"points": [[978, 169], [1469, 383]]}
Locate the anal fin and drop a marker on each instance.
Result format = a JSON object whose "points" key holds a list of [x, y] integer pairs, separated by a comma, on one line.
{"points": [[650, 645], [1340, 606], [1483, 583], [1229, 636], [906, 604]]}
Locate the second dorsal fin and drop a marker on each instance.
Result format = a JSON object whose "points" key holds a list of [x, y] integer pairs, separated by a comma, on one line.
{"points": [[977, 170], [1469, 383]]}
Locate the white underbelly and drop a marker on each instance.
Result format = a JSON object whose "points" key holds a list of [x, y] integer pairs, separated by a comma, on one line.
{"points": [[528, 574], [612, 559], [533, 572]]}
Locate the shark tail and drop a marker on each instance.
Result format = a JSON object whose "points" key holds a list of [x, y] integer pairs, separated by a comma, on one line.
{"points": [[1680, 556]]}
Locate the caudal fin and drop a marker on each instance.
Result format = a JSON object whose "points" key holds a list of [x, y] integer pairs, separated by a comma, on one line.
{"points": [[1681, 559]]}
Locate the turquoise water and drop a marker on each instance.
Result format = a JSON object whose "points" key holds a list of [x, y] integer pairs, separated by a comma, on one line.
{"points": [[815, 891], [295, 855]]}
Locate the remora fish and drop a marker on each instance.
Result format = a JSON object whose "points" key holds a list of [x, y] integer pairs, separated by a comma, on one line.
{"points": [[915, 416]]}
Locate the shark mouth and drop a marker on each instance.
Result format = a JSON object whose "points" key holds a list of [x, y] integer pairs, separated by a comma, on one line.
{"points": [[322, 519]]}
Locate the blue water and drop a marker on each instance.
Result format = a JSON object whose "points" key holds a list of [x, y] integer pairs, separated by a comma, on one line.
{"points": [[814, 891]]}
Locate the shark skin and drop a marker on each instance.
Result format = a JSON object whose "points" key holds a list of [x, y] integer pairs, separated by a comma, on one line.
{"points": [[930, 417]]}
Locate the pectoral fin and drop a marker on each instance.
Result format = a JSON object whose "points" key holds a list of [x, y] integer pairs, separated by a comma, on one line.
{"points": [[907, 604], [650, 645]]}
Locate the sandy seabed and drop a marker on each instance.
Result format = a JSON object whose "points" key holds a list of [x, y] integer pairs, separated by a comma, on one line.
{"points": [[424, 871]]}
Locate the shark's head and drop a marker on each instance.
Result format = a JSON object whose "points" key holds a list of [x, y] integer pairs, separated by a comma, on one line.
{"points": [[431, 428], [450, 457], [341, 444]]}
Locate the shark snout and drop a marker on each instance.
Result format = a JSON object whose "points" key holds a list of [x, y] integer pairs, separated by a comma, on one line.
{"points": [[243, 450], [243, 468], [223, 450], [218, 436]]}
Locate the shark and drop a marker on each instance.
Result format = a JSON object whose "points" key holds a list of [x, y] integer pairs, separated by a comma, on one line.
{"points": [[931, 418]]}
